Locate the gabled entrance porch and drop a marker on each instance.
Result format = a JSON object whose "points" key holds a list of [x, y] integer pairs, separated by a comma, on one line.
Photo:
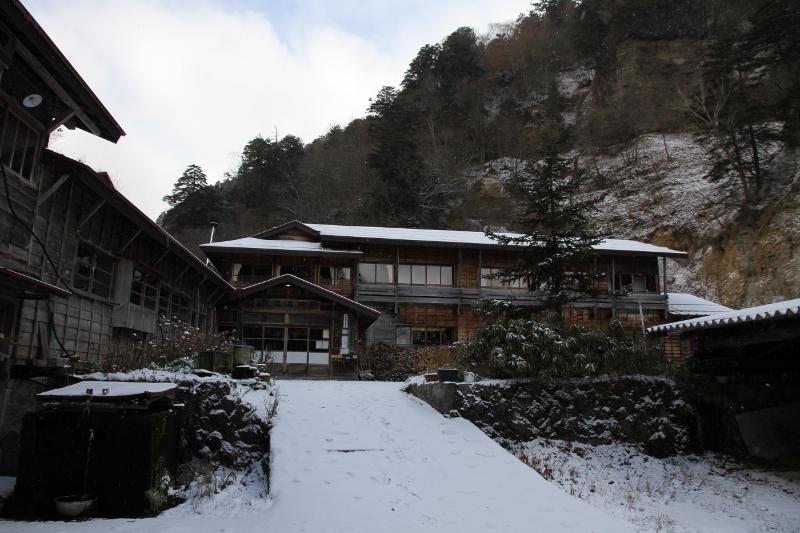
{"points": [[297, 328]]}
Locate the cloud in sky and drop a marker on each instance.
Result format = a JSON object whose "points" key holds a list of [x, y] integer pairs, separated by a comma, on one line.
{"points": [[191, 82]]}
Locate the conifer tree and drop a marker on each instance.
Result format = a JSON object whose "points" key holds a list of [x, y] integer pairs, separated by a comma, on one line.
{"points": [[553, 226], [192, 180]]}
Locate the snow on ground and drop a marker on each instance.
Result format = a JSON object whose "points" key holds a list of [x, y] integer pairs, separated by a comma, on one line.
{"points": [[708, 493], [364, 456]]}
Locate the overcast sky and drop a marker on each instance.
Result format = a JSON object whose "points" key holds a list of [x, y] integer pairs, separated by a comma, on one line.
{"points": [[191, 82]]}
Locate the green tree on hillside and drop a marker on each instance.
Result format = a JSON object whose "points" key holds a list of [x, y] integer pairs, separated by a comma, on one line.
{"points": [[266, 179], [194, 202], [193, 179]]}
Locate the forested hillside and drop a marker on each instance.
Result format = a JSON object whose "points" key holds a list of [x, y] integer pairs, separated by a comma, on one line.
{"points": [[685, 112]]}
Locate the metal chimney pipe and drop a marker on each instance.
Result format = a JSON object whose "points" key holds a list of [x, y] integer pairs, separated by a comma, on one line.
{"points": [[211, 238]]}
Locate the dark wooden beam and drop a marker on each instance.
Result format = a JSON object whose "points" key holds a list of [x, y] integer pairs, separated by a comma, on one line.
{"points": [[51, 82], [52, 189], [129, 241], [91, 213], [60, 121]]}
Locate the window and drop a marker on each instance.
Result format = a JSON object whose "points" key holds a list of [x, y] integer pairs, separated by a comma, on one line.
{"points": [[144, 290], [424, 336], [20, 144], [93, 272], [302, 272], [438, 276], [637, 283], [180, 307], [243, 273], [163, 303], [375, 273], [496, 283], [334, 276]]}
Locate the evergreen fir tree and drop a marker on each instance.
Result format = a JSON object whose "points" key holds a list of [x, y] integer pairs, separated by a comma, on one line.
{"points": [[192, 180], [553, 226]]}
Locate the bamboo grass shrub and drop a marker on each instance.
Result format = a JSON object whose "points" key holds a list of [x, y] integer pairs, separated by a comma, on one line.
{"points": [[543, 348]]}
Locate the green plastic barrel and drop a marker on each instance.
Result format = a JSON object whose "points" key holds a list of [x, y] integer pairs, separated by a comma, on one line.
{"points": [[242, 355], [223, 362], [206, 360]]}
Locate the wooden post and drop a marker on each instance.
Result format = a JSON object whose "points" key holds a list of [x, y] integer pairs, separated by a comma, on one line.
{"points": [[397, 281], [240, 320], [480, 268], [613, 287], [664, 274]]}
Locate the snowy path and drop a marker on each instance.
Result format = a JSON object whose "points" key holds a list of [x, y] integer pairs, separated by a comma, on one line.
{"points": [[409, 468], [365, 457]]}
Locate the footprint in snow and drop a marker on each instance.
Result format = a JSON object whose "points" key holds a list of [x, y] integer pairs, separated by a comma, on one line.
{"points": [[427, 519], [399, 454], [383, 478], [399, 505], [450, 432], [386, 423], [386, 438], [484, 454]]}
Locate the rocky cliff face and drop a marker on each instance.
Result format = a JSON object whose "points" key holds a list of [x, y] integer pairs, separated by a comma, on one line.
{"points": [[634, 134]]}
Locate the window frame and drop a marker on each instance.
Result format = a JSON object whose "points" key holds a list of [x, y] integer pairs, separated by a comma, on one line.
{"points": [[388, 266], [446, 334], [497, 284], [91, 280], [336, 279], [252, 277], [618, 285], [146, 278], [425, 271], [37, 142]]}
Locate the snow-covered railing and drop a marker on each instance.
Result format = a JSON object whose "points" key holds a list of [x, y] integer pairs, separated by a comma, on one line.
{"points": [[751, 314]]}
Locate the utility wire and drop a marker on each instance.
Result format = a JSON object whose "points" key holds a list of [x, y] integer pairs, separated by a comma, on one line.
{"points": [[44, 251]]}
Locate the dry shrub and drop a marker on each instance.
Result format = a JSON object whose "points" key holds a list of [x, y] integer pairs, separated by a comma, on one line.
{"points": [[176, 348]]}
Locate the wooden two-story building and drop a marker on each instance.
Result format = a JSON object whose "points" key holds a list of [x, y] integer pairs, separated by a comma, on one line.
{"points": [[81, 268], [414, 287]]}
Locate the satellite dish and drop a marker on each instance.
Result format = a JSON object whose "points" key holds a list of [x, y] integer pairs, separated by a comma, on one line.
{"points": [[32, 100]]}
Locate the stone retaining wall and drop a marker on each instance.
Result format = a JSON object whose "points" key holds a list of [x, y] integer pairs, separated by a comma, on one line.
{"points": [[636, 409]]}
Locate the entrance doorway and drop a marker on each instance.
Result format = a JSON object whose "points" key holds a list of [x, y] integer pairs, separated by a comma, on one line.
{"points": [[291, 349]]}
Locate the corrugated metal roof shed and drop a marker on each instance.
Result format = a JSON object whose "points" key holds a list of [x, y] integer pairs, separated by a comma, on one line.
{"points": [[681, 303], [751, 314]]}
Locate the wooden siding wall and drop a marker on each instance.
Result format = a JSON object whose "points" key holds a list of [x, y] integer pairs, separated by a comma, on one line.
{"points": [[83, 322], [382, 330]]}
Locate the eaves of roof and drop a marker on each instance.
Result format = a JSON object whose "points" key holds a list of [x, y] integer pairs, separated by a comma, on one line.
{"points": [[761, 313], [59, 67], [32, 287]]}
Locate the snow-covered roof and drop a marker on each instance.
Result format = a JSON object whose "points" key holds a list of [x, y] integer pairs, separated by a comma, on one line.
{"points": [[253, 244], [681, 303], [264, 242], [452, 237], [115, 389], [751, 314]]}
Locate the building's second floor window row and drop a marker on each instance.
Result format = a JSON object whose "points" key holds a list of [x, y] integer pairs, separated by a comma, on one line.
{"points": [[415, 275], [328, 275]]}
